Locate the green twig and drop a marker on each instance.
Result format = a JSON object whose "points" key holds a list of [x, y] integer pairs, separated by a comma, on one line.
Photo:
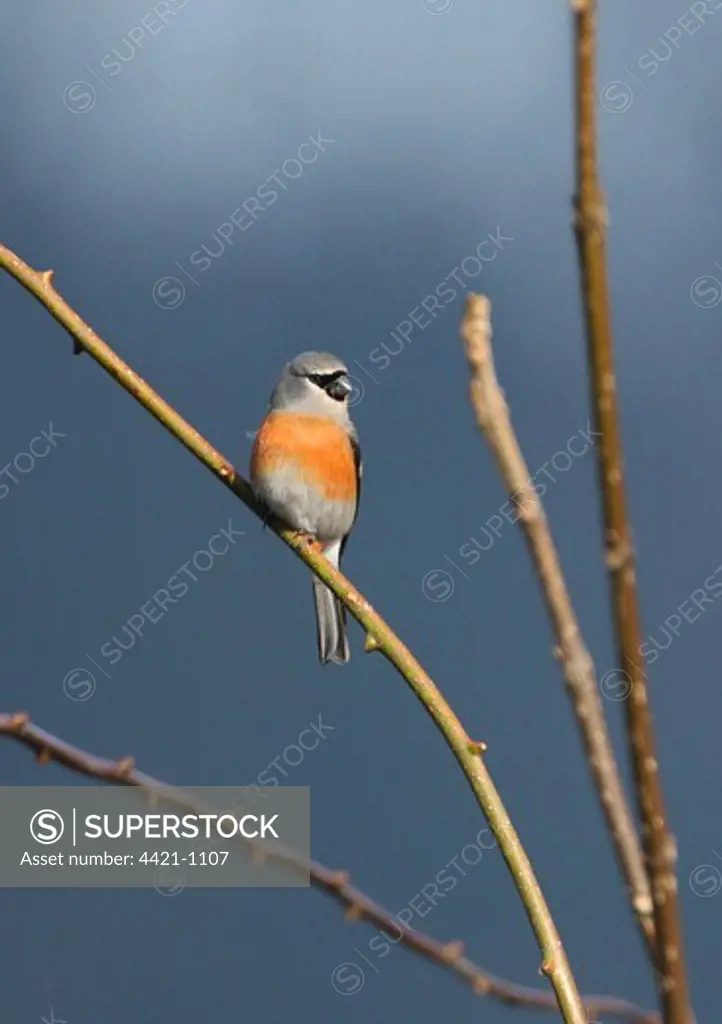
{"points": [[554, 960]]}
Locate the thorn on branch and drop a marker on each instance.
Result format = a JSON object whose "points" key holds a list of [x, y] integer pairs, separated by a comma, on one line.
{"points": [[453, 951], [547, 968], [124, 766], [19, 720], [477, 747], [371, 644]]}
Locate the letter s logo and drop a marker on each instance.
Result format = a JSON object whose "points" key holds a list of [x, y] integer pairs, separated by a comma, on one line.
{"points": [[46, 827]]}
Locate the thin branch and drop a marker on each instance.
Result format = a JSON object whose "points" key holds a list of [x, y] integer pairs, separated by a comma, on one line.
{"points": [[590, 224], [492, 417], [555, 964], [336, 884]]}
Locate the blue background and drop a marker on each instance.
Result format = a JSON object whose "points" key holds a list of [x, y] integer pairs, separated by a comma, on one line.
{"points": [[446, 126]]}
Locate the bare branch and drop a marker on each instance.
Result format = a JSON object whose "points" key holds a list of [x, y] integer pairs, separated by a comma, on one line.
{"points": [[555, 964], [492, 417], [336, 884], [590, 225]]}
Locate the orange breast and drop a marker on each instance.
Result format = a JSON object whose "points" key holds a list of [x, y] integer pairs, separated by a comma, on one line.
{"points": [[319, 449]]}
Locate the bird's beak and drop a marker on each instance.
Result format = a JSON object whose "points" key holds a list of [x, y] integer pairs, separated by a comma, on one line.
{"points": [[340, 387]]}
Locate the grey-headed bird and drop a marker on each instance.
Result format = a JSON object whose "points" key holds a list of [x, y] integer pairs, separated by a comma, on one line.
{"points": [[306, 469]]}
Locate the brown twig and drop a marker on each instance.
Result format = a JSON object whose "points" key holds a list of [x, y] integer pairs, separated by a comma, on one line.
{"points": [[555, 964], [590, 222], [336, 884], [492, 417]]}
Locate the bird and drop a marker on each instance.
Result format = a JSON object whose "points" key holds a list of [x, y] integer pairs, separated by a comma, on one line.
{"points": [[306, 470]]}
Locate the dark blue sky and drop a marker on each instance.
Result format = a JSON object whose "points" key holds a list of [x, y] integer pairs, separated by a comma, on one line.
{"points": [[130, 144]]}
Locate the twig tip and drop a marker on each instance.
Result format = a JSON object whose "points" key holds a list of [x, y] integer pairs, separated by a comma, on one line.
{"points": [[477, 304]]}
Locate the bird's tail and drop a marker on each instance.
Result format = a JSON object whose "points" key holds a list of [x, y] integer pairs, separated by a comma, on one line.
{"points": [[330, 617]]}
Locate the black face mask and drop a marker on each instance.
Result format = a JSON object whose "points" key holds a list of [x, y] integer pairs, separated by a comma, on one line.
{"points": [[336, 385]]}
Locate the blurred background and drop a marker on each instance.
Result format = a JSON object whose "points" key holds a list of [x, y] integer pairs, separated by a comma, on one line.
{"points": [[413, 150]]}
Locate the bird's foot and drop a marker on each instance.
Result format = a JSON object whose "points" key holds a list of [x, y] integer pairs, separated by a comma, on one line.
{"points": [[307, 540]]}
